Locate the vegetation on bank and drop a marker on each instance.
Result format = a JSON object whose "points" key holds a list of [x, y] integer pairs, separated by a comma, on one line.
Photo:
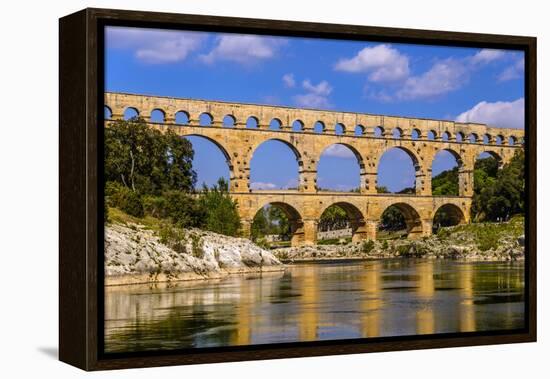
{"points": [[149, 176]]}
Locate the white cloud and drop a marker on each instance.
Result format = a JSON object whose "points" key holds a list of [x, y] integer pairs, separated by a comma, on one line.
{"points": [[443, 77], [501, 114], [154, 46], [262, 186], [243, 49], [515, 71], [485, 56], [288, 80], [382, 62], [316, 96], [339, 151]]}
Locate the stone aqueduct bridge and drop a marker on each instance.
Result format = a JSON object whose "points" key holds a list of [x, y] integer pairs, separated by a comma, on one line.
{"points": [[305, 205]]}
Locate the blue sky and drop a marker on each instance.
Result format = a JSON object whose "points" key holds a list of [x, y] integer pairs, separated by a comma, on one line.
{"points": [[464, 84]]}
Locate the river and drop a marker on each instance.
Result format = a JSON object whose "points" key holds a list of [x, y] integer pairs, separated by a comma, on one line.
{"points": [[317, 301]]}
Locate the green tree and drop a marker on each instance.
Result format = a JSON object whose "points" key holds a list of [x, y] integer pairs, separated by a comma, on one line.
{"points": [[446, 183], [145, 160], [221, 211], [333, 218], [392, 219]]}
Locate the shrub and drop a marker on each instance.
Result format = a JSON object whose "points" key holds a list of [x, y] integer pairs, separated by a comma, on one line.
{"points": [[367, 246], [183, 210], [124, 198]]}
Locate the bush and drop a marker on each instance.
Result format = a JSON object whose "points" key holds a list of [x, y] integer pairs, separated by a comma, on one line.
{"points": [[367, 246], [183, 210], [124, 198]]}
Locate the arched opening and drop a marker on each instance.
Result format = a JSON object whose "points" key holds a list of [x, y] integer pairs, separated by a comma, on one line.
{"points": [[446, 136], [339, 129], [472, 138], [182, 118], [445, 172], [447, 215], [486, 169], [157, 115], [107, 113], [130, 113], [499, 139], [415, 134], [379, 132], [340, 223], [459, 137], [486, 139], [359, 130], [277, 224], [397, 133], [275, 124], [399, 220], [396, 172], [319, 127], [432, 135], [229, 121], [297, 126], [512, 140], [205, 119], [210, 161], [275, 164], [252, 123], [339, 169]]}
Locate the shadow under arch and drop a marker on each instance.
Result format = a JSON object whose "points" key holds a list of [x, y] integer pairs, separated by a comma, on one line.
{"points": [[415, 162], [358, 157], [411, 216], [448, 215], [355, 217], [294, 217], [225, 153], [492, 154]]}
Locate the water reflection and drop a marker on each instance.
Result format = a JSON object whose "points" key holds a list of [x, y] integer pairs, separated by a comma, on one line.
{"points": [[317, 302]]}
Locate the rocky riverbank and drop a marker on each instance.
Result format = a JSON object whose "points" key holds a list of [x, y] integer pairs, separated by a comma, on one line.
{"points": [[475, 242], [136, 254]]}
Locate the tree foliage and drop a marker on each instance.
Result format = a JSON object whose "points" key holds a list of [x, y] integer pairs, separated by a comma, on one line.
{"points": [[147, 161], [333, 218], [270, 220], [221, 215], [446, 183]]}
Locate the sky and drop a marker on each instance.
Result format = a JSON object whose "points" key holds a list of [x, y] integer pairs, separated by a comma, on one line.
{"points": [[462, 84]]}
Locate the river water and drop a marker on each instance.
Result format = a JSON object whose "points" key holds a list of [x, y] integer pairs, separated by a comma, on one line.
{"points": [[315, 301]]}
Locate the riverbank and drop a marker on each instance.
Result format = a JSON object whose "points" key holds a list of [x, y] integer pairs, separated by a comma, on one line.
{"points": [[136, 254], [473, 242]]}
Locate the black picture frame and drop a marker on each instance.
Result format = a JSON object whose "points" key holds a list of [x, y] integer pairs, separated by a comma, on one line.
{"points": [[81, 187]]}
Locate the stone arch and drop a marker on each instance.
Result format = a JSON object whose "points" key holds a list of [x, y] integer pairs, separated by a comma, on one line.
{"points": [[493, 154], [297, 126], [107, 113], [358, 157], [453, 215], [339, 129], [415, 162], [294, 217], [431, 135], [412, 218], [206, 119], [157, 115], [275, 124], [512, 140], [229, 121], [252, 122], [459, 136], [397, 133], [379, 132], [130, 112], [182, 117], [319, 127], [355, 217], [487, 139], [416, 134], [359, 130], [499, 139], [473, 138], [445, 136], [297, 155], [232, 183]]}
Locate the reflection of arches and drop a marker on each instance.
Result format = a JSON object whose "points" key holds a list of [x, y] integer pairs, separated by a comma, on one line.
{"points": [[130, 113], [382, 172], [412, 219], [295, 220], [448, 215], [224, 152], [341, 150], [355, 217]]}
